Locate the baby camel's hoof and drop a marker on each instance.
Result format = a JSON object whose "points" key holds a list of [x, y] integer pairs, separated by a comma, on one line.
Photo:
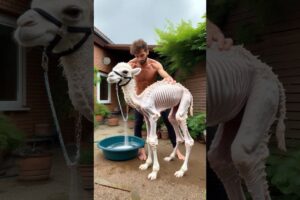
{"points": [[144, 166], [168, 159], [179, 173], [152, 176]]}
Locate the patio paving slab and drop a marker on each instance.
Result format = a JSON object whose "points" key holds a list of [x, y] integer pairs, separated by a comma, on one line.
{"points": [[127, 175]]}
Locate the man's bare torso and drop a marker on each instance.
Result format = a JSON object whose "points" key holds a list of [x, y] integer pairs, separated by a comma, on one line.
{"points": [[147, 76]]}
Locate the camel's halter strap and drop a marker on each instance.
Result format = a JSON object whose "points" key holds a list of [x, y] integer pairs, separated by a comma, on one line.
{"points": [[71, 29], [78, 127], [128, 79]]}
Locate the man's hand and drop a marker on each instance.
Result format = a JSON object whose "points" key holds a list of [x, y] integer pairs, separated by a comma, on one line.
{"points": [[214, 34], [163, 73], [169, 80]]}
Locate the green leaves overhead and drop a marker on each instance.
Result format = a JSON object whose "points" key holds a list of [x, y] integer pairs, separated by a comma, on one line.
{"points": [[181, 47]]}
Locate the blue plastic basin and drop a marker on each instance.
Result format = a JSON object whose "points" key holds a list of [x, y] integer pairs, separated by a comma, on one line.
{"points": [[108, 145]]}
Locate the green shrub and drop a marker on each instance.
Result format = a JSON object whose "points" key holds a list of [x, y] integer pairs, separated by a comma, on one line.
{"points": [[283, 172], [131, 117], [10, 136], [96, 78], [196, 125], [101, 109]]}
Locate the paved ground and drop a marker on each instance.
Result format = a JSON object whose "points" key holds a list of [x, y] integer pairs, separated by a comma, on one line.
{"points": [[126, 175], [56, 188]]}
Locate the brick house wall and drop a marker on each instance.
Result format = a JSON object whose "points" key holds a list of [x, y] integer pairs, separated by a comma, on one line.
{"points": [[278, 46], [196, 83], [99, 54]]}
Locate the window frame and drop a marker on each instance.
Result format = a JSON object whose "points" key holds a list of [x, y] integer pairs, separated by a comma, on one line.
{"points": [[108, 101], [20, 102]]}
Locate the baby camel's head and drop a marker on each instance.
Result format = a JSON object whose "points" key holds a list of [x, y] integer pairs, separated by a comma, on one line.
{"points": [[122, 73]]}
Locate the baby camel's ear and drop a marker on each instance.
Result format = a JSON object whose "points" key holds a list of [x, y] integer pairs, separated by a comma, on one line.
{"points": [[136, 71]]}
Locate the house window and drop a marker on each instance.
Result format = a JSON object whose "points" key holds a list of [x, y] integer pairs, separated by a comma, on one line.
{"points": [[12, 70], [103, 89]]}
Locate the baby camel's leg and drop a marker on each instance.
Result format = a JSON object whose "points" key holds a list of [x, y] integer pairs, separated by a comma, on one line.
{"points": [[149, 157], [179, 138], [181, 116], [153, 141], [219, 157], [249, 149]]}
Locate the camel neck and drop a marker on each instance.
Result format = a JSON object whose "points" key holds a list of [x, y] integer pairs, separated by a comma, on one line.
{"points": [[130, 95], [78, 70], [80, 58]]}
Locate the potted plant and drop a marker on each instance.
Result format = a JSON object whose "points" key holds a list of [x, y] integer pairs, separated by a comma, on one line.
{"points": [[112, 120], [101, 111], [10, 137], [196, 126], [86, 167], [164, 132], [131, 121], [34, 164]]}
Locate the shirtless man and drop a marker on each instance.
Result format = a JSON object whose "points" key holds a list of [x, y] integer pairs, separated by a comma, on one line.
{"points": [[150, 69]]}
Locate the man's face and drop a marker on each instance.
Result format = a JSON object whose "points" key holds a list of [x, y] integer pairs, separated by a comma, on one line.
{"points": [[142, 56]]}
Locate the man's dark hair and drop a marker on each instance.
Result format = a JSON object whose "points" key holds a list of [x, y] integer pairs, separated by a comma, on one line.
{"points": [[137, 46]]}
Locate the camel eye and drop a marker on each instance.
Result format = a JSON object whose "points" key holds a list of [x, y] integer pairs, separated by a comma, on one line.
{"points": [[125, 72], [72, 12]]}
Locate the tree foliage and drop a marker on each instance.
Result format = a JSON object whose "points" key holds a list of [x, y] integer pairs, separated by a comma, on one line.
{"points": [[181, 47]]}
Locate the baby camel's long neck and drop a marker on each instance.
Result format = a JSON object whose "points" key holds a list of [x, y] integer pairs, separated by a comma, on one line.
{"points": [[130, 96], [79, 73]]}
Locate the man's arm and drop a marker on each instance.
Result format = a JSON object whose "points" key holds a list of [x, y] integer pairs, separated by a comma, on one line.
{"points": [[163, 73]]}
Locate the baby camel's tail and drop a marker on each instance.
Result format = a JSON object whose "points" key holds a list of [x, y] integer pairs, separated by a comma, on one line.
{"points": [[191, 106], [280, 129]]}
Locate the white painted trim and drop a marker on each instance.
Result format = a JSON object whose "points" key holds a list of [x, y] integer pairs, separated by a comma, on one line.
{"points": [[20, 103], [98, 90]]}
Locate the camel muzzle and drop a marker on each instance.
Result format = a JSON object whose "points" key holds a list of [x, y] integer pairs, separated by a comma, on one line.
{"points": [[71, 29]]}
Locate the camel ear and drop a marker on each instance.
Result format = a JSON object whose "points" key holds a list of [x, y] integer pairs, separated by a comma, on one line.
{"points": [[136, 71]]}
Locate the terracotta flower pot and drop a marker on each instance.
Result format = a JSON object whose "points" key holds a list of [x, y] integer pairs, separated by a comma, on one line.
{"points": [[35, 166], [99, 118], [130, 124], [113, 121], [87, 176], [43, 130], [164, 134]]}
